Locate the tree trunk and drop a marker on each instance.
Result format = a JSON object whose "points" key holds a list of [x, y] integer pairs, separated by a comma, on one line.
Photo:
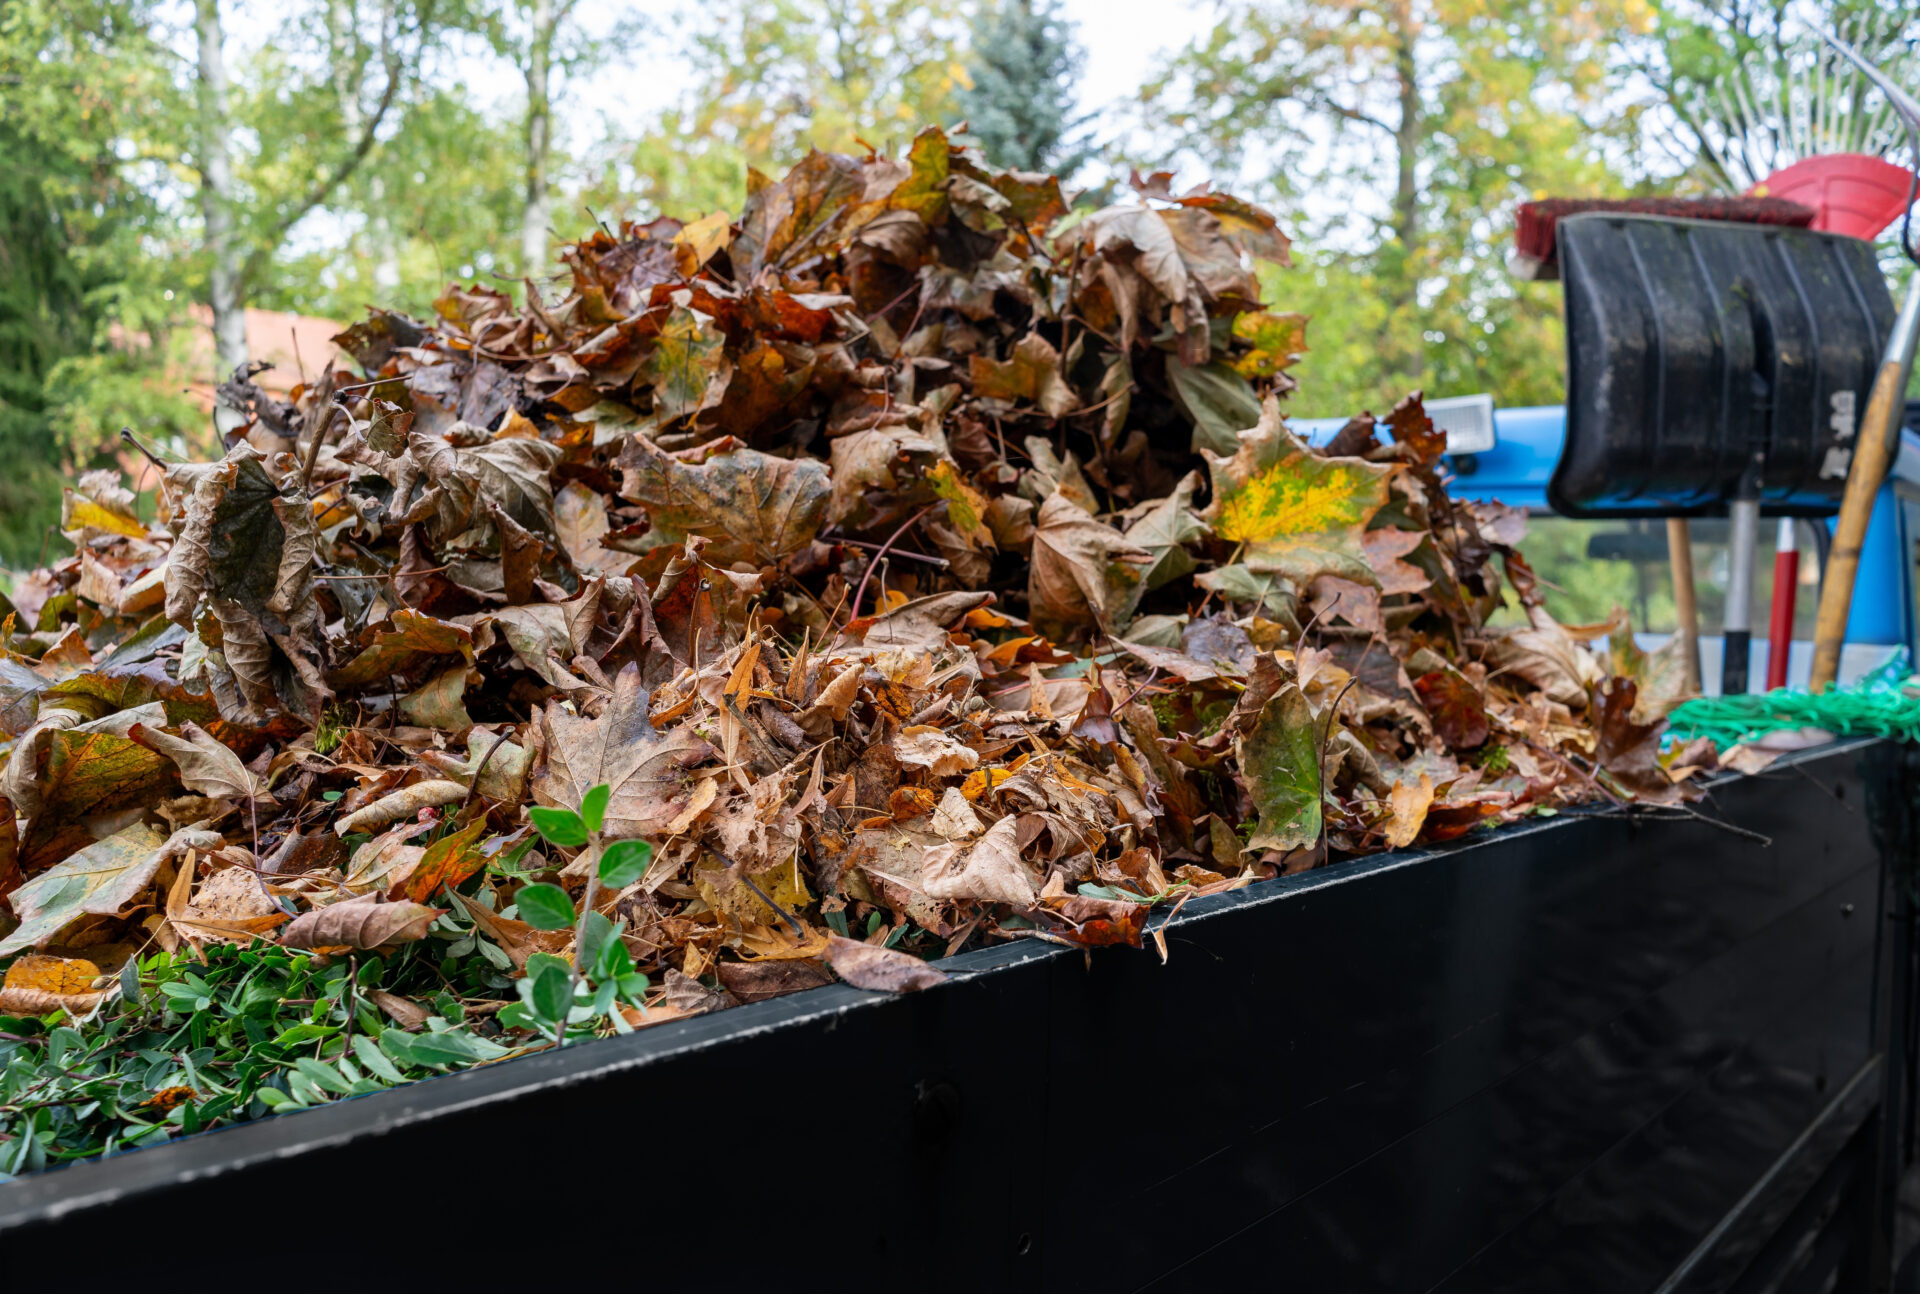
{"points": [[1408, 135], [533, 223], [341, 27], [348, 70], [226, 290]]}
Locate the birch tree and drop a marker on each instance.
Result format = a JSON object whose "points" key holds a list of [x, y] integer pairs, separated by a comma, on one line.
{"points": [[551, 42], [311, 138], [544, 17]]}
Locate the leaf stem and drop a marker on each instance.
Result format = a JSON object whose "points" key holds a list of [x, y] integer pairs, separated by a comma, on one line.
{"points": [[580, 933], [853, 608]]}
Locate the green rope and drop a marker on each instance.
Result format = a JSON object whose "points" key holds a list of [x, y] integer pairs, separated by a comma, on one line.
{"points": [[1883, 703]]}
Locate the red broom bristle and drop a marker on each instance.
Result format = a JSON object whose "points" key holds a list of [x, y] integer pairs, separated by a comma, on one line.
{"points": [[1533, 233]]}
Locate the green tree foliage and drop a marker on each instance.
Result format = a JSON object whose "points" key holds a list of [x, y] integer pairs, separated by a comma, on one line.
{"points": [[88, 290], [1399, 135], [43, 318], [441, 200], [1752, 90], [1023, 65], [775, 77], [275, 145]]}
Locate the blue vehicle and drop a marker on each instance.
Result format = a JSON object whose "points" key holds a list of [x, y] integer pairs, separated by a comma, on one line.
{"points": [[1507, 456]]}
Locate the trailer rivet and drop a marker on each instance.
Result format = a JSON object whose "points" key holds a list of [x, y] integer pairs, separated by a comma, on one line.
{"points": [[936, 1109]]}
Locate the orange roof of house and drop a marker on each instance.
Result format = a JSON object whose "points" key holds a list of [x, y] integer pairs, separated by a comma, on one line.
{"points": [[298, 347]]}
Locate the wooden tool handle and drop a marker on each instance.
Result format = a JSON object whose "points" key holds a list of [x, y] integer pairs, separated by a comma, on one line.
{"points": [[1873, 450], [1686, 611]]}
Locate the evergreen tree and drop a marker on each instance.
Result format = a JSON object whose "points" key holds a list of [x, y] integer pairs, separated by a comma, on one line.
{"points": [[43, 318], [1024, 63]]}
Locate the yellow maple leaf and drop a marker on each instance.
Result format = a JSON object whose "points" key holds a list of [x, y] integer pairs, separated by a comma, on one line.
{"points": [[1294, 512]]}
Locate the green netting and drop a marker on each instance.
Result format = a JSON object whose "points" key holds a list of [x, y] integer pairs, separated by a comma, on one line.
{"points": [[1882, 703]]}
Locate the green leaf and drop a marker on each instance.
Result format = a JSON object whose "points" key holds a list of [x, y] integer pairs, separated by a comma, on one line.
{"points": [[398, 1044], [612, 960], [1217, 400], [594, 933], [536, 962], [1280, 759], [453, 1048], [560, 826], [130, 981], [593, 806], [545, 907], [624, 862], [324, 1075], [305, 1090], [552, 993], [374, 1059]]}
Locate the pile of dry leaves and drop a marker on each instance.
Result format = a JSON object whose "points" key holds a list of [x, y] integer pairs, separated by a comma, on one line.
{"points": [[919, 561]]}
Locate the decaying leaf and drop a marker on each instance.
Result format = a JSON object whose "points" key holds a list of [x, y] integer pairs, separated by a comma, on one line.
{"points": [[1281, 762], [36, 985], [1409, 802], [649, 771], [853, 549], [206, 767], [763, 507], [880, 970], [401, 804], [1294, 512], [101, 880], [1083, 572], [366, 922], [990, 870]]}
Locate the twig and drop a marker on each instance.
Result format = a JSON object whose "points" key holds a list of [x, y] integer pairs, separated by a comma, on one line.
{"points": [[1148, 682], [127, 436], [474, 789], [907, 553], [579, 943], [313, 450], [896, 301], [1592, 781], [253, 812], [1688, 811], [1320, 756], [740, 874], [853, 608]]}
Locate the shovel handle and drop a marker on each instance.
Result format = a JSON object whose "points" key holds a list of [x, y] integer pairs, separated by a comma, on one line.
{"points": [[1685, 610], [1873, 451]]}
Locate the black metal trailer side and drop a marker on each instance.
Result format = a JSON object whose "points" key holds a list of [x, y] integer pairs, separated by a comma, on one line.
{"points": [[1593, 1054]]}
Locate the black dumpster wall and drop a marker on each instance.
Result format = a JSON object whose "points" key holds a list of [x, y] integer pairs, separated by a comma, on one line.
{"points": [[1593, 1054]]}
